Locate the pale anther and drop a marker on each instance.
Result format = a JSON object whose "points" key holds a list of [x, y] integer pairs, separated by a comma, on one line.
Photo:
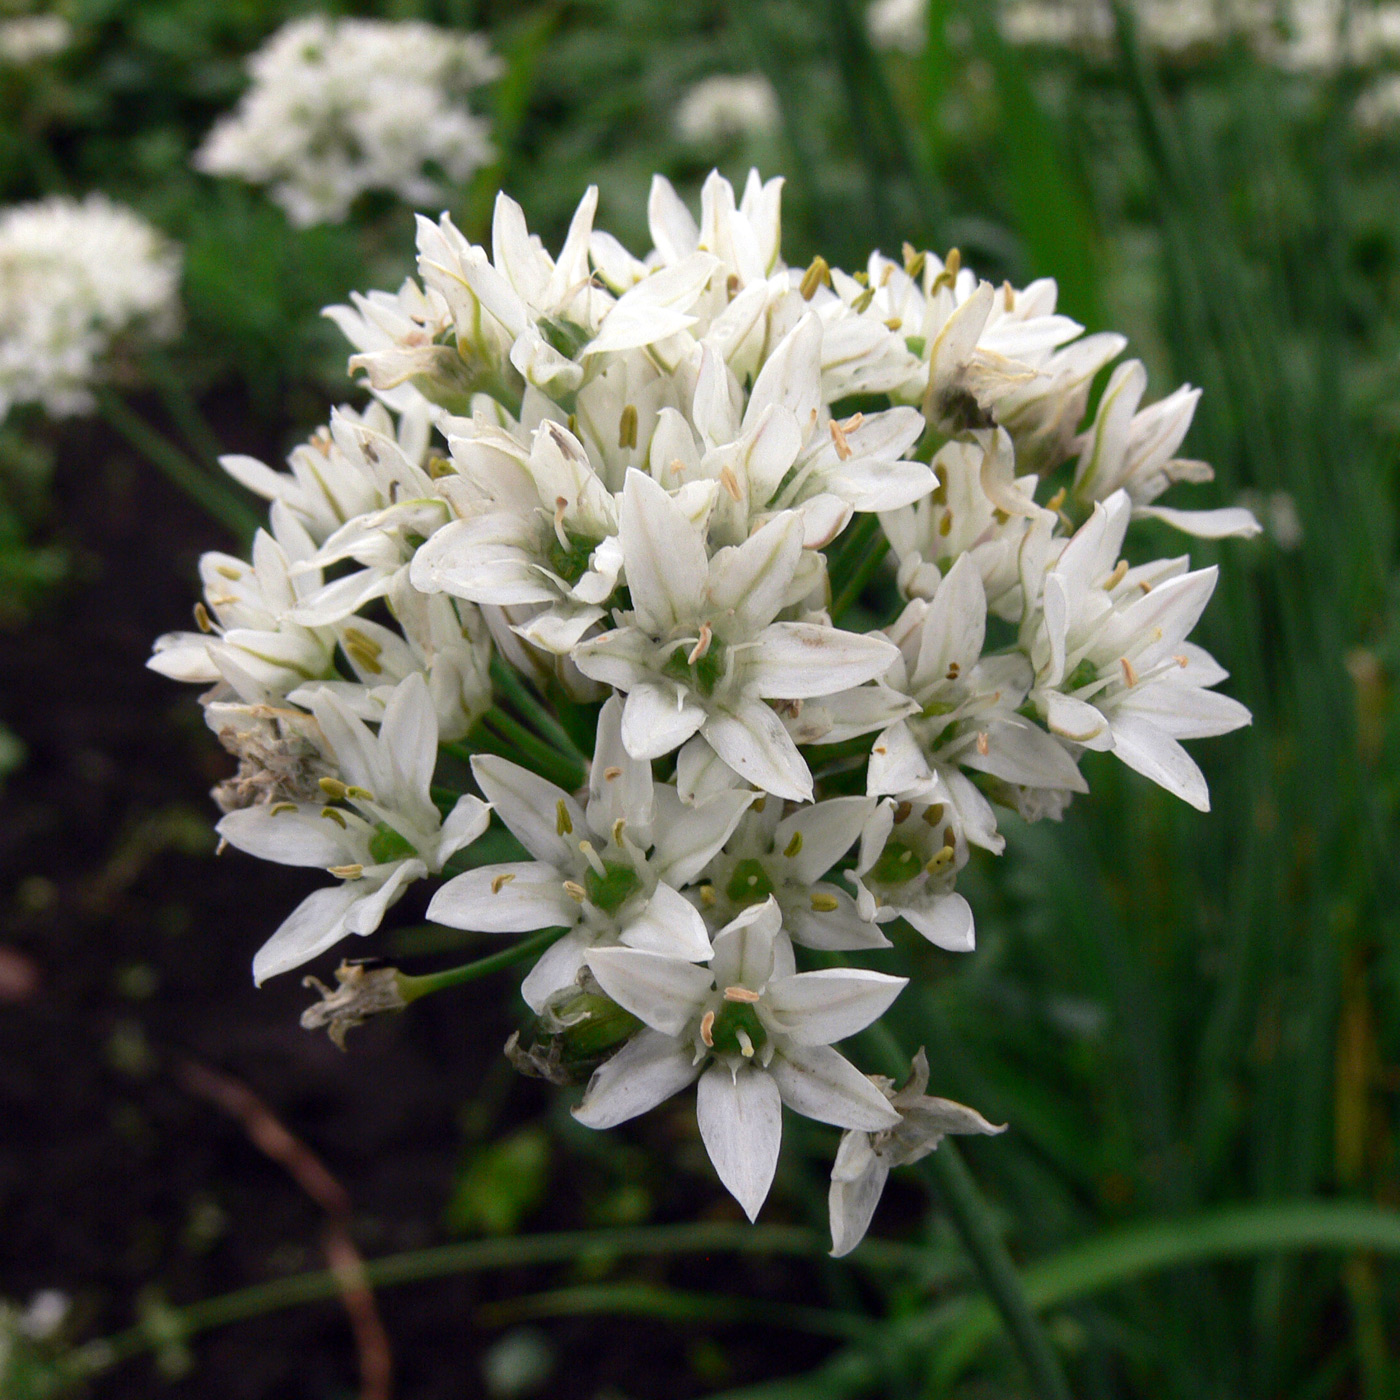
{"points": [[730, 482], [575, 891], [702, 647], [838, 436], [282, 807], [825, 903], [983, 747], [563, 822], [1129, 674], [346, 872], [740, 994], [501, 881], [794, 846], [707, 1028]]}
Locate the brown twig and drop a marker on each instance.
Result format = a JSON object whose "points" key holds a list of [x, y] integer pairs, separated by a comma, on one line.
{"points": [[273, 1140]]}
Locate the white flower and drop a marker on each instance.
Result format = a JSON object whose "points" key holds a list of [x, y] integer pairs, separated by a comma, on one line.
{"points": [[1113, 668], [382, 833], [1133, 451], [700, 651], [338, 107], [898, 24], [76, 277], [726, 105], [32, 37], [864, 1159], [755, 1034], [610, 872]]}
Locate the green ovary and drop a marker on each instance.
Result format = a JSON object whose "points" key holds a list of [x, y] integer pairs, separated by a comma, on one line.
{"points": [[897, 864], [386, 844], [610, 890], [704, 675], [749, 884], [733, 1017]]}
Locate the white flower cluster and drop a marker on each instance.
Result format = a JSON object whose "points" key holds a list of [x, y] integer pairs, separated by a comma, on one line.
{"points": [[76, 275], [338, 107], [725, 106], [652, 493], [30, 38]]}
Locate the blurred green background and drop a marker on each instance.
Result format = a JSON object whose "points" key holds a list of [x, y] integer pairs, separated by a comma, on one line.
{"points": [[1191, 1024]]}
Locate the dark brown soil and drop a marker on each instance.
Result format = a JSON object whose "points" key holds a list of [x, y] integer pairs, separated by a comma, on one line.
{"points": [[125, 952]]}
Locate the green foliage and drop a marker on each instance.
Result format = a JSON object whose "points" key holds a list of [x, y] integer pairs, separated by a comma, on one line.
{"points": [[500, 1184]]}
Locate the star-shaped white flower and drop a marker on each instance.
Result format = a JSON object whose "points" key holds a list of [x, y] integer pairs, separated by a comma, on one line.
{"points": [[382, 833], [700, 651], [755, 1034]]}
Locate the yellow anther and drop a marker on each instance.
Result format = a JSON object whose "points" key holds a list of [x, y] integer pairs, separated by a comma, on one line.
{"points": [[677, 467], [612, 773], [902, 812], [333, 788], [740, 994], [1129, 674], [794, 846], [1008, 300], [949, 839], [895, 323], [701, 647], [1057, 500], [229, 572], [334, 816], [914, 262], [201, 618], [953, 671], [940, 860], [563, 822], [1116, 577], [1182, 661], [825, 903], [346, 872], [575, 891], [278, 807], [945, 525], [816, 274], [355, 637], [952, 265], [707, 1028], [933, 813], [862, 302], [730, 482], [707, 895], [618, 827], [359, 794], [759, 803], [863, 277], [983, 747], [439, 467], [367, 660], [499, 882], [627, 427]]}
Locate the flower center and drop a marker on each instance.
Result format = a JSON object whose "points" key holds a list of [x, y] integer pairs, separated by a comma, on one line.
{"points": [[737, 1030], [749, 884], [613, 887], [386, 844], [897, 864]]}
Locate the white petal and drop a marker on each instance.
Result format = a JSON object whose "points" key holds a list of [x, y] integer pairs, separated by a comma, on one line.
{"points": [[1156, 755], [657, 718], [897, 763], [816, 1008], [799, 660], [838, 930], [1023, 753], [753, 742], [852, 1204], [688, 838], [408, 737], [827, 831], [745, 947], [664, 992], [619, 786], [314, 925], [1184, 711], [819, 1082], [557, 967], [462, 825], [741, 1122], [1206, 524], [701, 773], [302, 837], [515, 897], [670, 925], [945, 921], [1077, 721], [666, 561], [751, 582], [645, 1072], [529, 806]]}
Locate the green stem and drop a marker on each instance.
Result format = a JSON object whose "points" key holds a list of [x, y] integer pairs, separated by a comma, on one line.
{"points": [[183, 409], [560, 768], [947, 1172], [518, 693], [411, 988], [850, 594], [204, 490], [474, 1256]]}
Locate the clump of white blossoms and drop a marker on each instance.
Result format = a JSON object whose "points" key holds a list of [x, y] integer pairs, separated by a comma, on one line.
{"points": [[341, 106], [727, 105], [32, 38], [78, 279], [565, 626]]}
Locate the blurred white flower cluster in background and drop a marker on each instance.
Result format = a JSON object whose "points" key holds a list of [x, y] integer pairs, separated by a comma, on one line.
{"points": [[727, 105], [341, 106], [29, 38], [586, 579], [77, 279]]}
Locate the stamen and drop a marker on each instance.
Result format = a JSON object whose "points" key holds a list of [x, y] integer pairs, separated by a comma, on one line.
{"points": [[612, 773], [1129, 674], [591, 856], [1116, 577], [201, 618], [741, 994], [333, 788], [563, 822], [501, 881], [1182, 661], [702, 647], [1008, 300], [627, 427], [745, 1044], [952, 265], [707, 1029], [281, 807], [334, 816], [707, 895], [794, 846], [825, 903], [902, 812], [759, 803], [862, 302], [913, 262], [677, 467], [941, 858], [838, 436], [1057, 500], [229, 572], [618, 827], [346, 872], [730, 482], [575, 891], [954, 671], [982, 745], [933, 813], [359, 794], [816, 274], [560, 534], [895, 323]]}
